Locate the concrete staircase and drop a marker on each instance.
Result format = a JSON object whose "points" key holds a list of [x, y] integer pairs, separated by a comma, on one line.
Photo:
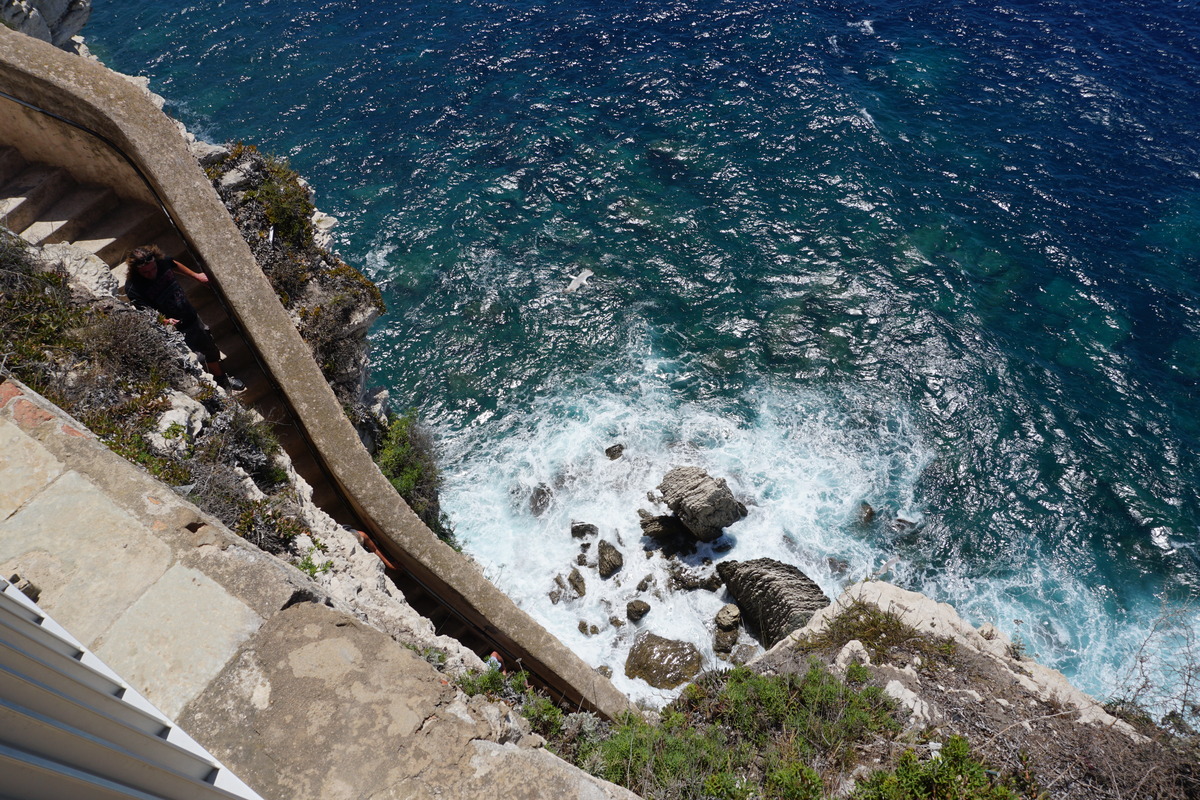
{"points": [[45, 205]]}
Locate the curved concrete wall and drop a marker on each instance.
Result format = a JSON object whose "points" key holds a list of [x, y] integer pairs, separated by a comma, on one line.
{"points": [[91, 95]]}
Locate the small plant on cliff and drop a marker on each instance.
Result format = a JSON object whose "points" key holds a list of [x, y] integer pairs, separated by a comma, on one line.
{"points": [[882, 633], [493, 682], [406, 459], [953, 774], [312, 568], [286, 203], [740, 734]]}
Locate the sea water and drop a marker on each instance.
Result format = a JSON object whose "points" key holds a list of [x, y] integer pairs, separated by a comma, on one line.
{"points": [[939, 258]]}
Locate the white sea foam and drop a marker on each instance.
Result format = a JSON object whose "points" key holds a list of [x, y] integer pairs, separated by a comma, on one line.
{"points": [[800, 466]]}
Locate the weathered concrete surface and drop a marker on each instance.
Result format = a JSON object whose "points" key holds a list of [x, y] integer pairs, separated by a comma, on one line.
{"points": [[192, 623], [91, 95], [298, 699], [63, 540]]}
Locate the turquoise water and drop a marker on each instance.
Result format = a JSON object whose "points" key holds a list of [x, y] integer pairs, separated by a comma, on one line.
{"points": [[939, 258]]}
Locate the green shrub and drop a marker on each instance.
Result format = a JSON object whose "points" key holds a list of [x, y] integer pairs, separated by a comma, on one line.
{"points": [[36, 314], [544, 716], [740, 734], [285, 202], [952, 775], [795, 781], [406, 459]]}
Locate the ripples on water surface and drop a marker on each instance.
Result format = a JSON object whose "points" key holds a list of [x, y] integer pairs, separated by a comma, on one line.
{"points": [[938, 257]]}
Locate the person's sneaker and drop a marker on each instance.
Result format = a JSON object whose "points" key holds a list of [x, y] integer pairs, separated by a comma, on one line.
{"points": [[231, 383]]}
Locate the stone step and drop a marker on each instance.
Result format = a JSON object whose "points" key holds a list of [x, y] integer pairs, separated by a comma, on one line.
{"points": [[33, 191], [127, 227], [75, 212]]}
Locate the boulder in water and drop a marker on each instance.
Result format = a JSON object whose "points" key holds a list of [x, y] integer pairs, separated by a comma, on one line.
{"points": [[636, 609], [668, 533], [662, 663], [615, 451], [611, 559], [577, 584], [775, 598], [703, 503], [540, 499], [729, 617], [582, 529]]}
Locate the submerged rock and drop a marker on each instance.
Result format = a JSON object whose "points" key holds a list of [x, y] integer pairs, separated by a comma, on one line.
{"points": [[704, 504], [685, 579], [662, 663], [611, 559], [540, 499], [775, 598]]}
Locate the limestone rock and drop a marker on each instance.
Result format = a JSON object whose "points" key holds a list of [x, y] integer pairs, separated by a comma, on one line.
{"points": [[54, 21], [576, 582], [703, 503], [87, 274], [582, 529], [662, 663], [668, 533], [178, 426], [636, 609], [774, 597], [729, 617], [615, 451], [725, 641], [611, 559]]}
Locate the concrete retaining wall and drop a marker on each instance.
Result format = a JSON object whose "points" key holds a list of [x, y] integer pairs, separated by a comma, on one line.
{"points": [[91, 95]]}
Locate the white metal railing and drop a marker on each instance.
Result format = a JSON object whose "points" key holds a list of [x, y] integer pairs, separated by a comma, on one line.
{"points": [[71, 728]]}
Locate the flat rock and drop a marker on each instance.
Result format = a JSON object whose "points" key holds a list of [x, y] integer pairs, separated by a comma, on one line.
{"points": [[775, 598], [704, 504], [662, 663]]}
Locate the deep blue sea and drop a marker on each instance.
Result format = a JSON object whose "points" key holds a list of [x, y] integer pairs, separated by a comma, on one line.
{"points": [[938, 257]]}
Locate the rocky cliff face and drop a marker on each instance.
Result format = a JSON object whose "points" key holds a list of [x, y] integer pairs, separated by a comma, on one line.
{"points": [[954, 679], [331, 303], [54, 21]]}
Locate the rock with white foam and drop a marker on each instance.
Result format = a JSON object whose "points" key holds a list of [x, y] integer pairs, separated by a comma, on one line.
{"points": [[704, 504]]}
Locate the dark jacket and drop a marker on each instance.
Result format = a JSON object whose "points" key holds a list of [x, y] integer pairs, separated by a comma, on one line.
{"points": [[163, 293]]}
